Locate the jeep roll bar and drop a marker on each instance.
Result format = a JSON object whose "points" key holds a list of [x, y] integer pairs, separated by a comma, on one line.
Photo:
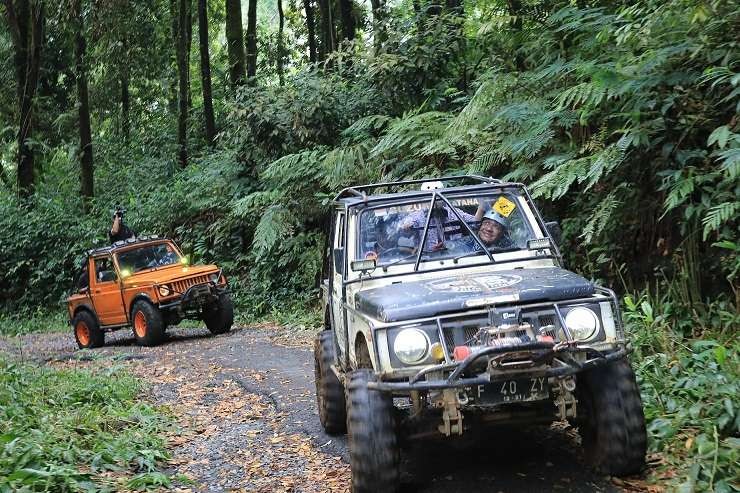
{"points": [[361, 191]]}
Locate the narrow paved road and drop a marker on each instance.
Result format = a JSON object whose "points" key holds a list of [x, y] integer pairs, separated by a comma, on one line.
{"points": [[247, 421]]}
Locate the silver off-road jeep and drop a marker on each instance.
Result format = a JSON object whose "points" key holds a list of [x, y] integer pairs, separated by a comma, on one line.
{"points": [[447, 308]]}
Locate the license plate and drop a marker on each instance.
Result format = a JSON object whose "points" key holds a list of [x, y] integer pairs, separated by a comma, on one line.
{"points": [[509, 391]]}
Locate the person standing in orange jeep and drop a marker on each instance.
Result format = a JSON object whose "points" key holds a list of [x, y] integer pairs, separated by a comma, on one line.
{"points": [[118, 230]]}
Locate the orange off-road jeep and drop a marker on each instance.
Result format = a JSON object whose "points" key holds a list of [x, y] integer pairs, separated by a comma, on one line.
{"points": [[145, 283]]}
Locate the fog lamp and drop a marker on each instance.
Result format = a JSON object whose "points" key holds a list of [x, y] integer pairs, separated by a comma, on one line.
{"points": [[437, 351], [539, 244]]}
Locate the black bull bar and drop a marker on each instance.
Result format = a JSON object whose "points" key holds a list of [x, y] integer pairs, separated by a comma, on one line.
{"points": [[454, 380]]}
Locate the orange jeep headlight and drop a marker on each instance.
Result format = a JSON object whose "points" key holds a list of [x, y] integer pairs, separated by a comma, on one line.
{"points": [[164, 290]]}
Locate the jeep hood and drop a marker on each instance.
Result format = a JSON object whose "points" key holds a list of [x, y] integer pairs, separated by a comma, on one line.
{"points": [[169, 273], [432, 297]]}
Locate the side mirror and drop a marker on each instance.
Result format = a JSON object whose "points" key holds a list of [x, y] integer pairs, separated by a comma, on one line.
{"points": [[339, 261], [553, 229]]}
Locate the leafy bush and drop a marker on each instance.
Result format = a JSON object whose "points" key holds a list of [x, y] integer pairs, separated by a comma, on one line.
{"points": [[691, 395], [64, 430]]}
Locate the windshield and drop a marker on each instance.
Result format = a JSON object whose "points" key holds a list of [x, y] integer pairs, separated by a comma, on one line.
{"points": [[147, 257], [393, 234]]}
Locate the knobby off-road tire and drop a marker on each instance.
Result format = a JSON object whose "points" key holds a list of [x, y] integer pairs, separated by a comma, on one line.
{"points": [[373, 443], [146, 319], [329, 390], [87, 331], [220, 316], [613, 431]]}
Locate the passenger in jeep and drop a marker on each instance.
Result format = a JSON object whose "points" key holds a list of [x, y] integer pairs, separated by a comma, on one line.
{"points": [[493, 233], [444, 224]]}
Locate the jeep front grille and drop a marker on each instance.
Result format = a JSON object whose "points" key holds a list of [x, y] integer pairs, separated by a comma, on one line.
{"points": [[462, 331], [182, 285], [544, 322]]}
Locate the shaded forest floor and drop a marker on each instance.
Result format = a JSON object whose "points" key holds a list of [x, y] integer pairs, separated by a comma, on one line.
{"points": [[244, 409]]}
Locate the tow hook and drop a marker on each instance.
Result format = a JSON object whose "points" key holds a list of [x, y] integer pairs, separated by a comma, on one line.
{"points": [[566, 401], [451, 416]]}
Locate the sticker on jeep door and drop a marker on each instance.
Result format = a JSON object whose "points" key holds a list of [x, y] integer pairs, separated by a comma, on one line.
{"points": [[490, 282]]}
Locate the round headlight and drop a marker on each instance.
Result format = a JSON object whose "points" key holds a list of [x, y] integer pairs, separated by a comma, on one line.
{"points": [[164, 290], [213, 277], [411, 346], [582, 323]]}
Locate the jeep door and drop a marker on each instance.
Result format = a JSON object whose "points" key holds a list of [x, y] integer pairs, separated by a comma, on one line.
{"points": [[336, 281], [106, 293]]}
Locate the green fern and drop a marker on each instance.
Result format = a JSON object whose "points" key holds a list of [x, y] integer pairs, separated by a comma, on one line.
{"points": [[730, 162], [276, 224], [718, 215], [601, 216]]}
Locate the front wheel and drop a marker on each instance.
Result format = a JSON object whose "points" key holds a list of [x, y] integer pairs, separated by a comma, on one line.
{"points": [[87, 331], [613, 432], [329, 390], [220, 316], [149, 327], [374, 451]]}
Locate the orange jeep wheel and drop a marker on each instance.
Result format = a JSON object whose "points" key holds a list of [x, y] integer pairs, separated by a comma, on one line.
{"points": [[147, 323], [140, 324], [87, 331]]}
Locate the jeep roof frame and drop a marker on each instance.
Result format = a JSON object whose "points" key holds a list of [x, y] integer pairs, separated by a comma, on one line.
{"points": [[123, 243], [361, 191]]}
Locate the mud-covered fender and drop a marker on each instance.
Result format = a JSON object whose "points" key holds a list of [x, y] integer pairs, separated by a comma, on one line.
{"points": [[138, 297], [86, 307]]}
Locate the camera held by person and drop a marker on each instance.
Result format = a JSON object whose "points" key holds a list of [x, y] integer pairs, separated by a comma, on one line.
{"points": [[119, 231]]}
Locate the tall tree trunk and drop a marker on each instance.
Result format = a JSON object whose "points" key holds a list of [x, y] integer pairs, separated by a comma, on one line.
{"points": [[125, 96], [348, 19], [515, 7], [235, 41], [25, 20], [174, 79], [280, 43], [86, 148], [311, 28], [182, 117], [379, 34], [327, 29], [188, 47], [205, 72], [251, 38]]}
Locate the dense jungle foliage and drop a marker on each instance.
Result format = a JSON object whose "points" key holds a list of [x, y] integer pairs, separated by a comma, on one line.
{"points": [[77, 430], [622, 117]]}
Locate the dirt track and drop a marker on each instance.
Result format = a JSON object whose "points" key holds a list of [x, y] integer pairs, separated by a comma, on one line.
{"points": [[246, 411]]}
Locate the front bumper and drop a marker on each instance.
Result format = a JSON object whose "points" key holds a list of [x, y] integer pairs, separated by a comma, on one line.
{"points": [[195, 298], [560, 357]]}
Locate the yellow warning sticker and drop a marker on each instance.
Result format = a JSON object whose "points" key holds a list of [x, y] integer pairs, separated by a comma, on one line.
{"points": [[504, 206]]}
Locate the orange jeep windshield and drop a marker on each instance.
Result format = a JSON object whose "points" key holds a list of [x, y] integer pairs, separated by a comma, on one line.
{"points": [[148, 257]]}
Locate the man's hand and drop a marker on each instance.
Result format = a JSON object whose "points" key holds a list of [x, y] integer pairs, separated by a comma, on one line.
{"points": [[484, 203], [116, 224], [439, 246]]}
